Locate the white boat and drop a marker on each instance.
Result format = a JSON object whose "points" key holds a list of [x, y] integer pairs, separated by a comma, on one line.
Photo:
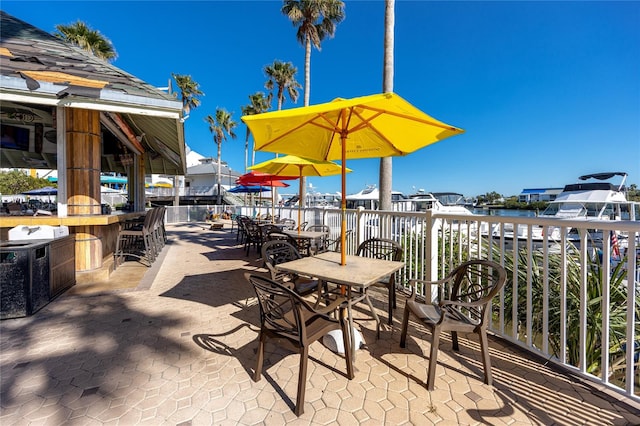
{"points": [[448, 202], [369, 197], [594, 197], [591, 198]]}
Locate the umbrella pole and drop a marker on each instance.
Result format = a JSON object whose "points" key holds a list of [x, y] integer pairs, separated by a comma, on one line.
{"points": [[343, 230], [273, 202], [300, 201]]}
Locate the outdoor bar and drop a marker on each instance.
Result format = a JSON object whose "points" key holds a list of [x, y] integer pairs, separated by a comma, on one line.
{"points": [[81, 116]]}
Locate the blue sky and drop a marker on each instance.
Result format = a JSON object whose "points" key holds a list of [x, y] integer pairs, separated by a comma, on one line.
{"points": [[546, 91]]}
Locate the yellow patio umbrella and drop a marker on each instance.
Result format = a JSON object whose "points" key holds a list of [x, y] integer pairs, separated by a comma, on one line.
{"points": [[292, 165], [371, 126]]}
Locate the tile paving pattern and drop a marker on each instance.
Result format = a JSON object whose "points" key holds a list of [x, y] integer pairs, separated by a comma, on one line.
{"points": [[180, 350]]}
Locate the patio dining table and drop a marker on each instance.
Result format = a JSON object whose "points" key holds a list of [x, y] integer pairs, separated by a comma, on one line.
{"points": [[359, 273]]}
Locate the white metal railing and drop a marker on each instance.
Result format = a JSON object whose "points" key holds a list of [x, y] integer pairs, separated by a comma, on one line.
{"points": [[193, 190], [569, 298]]}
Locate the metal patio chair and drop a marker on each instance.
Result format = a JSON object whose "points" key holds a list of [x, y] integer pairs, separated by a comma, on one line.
{"points": [[279, 251], [319, 245], [465, 305], [284, 314], [252, 235], [138, 240], [382, 248]]}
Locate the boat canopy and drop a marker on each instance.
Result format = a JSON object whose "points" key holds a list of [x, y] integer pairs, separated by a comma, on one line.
{"points": [[606, 176], [603, 176], [595, 186]]}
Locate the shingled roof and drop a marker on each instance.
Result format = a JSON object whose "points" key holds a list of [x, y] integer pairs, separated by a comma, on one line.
{"points": [[37, 68]]}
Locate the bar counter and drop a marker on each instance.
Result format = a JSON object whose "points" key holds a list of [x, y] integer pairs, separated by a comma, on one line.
{"points": [[9, 221], [95, 235]]}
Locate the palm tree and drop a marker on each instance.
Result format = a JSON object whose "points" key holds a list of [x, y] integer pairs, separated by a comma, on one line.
{"points": [[283, 76], [189, 91], [315, 20], [87, 39], [386, 164], [258, 104], [221, 126]]}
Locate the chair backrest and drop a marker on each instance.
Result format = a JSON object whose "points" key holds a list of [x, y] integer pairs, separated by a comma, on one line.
{"points": [[475, 283], [380, 248], [268, 229], [159, 216], [289, 223], [334, 244], [281, 310], [149, 219], [275, 252], [278, 307], [251, 229], [239, 219], [320, 245]]}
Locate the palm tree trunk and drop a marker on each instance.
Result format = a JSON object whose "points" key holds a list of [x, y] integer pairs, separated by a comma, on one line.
{"points": [[219, 174], [280, 97], [246, 151], [386, 165], [307, 71], [307, 90]]}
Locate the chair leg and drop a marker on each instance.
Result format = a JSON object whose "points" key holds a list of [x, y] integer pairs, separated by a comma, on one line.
{"points": [[486, 358], [433, 358], [454, 340], [392, 303], [302, 380], [117, 254], [405, 325], [258, 373], [394, 292], [373, 313]]}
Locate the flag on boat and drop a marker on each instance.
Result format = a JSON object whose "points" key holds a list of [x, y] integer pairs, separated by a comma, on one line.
{"points": [[615, 247]]}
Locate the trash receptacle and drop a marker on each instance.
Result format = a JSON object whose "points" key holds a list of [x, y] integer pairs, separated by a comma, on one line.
{"points": [[24, 277]]}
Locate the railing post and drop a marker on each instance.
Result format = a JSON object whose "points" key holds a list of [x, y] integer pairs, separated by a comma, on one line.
{"points": [[359, 226], [431, 246]]}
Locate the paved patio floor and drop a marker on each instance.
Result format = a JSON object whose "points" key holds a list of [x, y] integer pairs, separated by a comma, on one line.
{"points": [[175, 345]]}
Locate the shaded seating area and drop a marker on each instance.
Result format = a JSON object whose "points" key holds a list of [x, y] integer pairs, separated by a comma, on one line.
{"points": [[142, 239]]}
